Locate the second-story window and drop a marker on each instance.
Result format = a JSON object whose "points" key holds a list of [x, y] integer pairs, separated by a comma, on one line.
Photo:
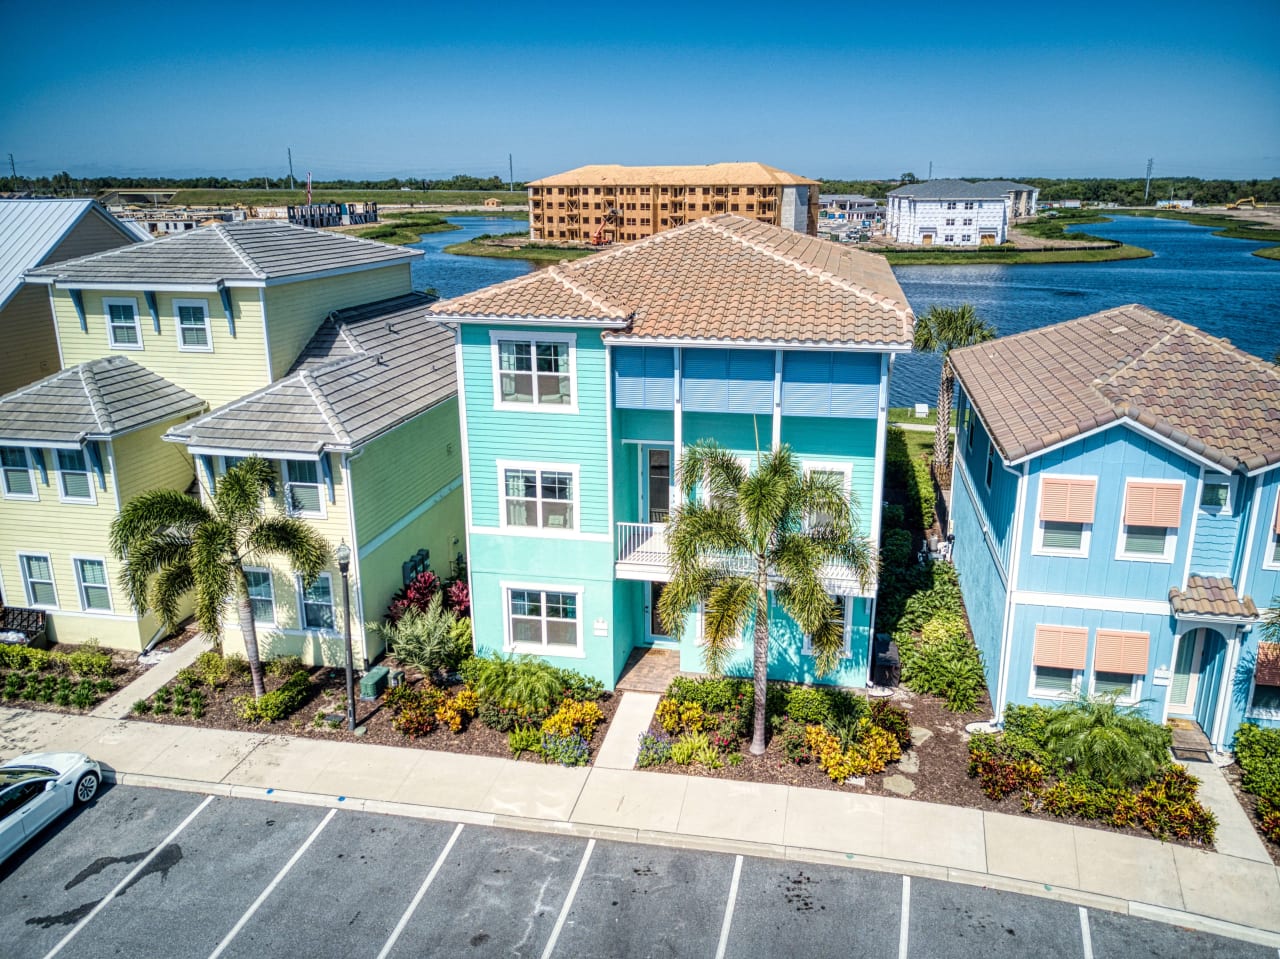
{"points": [[1152, 515], [302, 488], [124, 332], [193, 325], [535, 371], [73, 477], [18, 483], [538, 497]]}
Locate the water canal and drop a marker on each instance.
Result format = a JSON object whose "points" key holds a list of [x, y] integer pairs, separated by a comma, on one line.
{"points": [[1210, 281]]}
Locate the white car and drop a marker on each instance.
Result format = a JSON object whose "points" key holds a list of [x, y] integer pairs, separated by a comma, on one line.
{"points": [[37, 788]]}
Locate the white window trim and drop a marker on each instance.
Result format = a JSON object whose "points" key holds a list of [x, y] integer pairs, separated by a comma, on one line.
{"points": [[92, 498], [1035, 693], [1232, 484], [76, 559], [1271, 542], [1039, 549], [34, 495], [533, 338], [323, 498], [704, 493], [831, 466], [302, 611], [208, 325], [508, 643], [1135, 688], [1259, 712], [110, 301], [1171, 537], [846, 650], [26, 588], [271, 581], [552, 532]]}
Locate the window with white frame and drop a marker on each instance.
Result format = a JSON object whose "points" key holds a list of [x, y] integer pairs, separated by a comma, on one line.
{"points": [[1065, 522], [1124, 686], [1055, 682], [1215, 495], [262, 595], [15, 466], [1149, 526], [302, 488], [838, 472], [840, 617], [124, 331], [91, 580], [991, 462], [193, 325], [1120, 662], [37, 580], [1057, 661], [1265, 699], [538, 498], [73, 476], [543, 620], [317, 603], [534, 370]]}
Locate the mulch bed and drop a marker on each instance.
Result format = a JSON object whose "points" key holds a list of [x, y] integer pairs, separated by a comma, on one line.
{"points": [[1249, 803], [126, 670], [328, 695]]}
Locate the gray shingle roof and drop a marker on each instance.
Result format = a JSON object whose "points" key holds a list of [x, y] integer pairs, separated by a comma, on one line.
{"points": [[367, 370], [959, 189], [246, 253], [95, 400], [31, 229]]}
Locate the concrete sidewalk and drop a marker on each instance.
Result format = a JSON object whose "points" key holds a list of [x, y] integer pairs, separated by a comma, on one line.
{"points": [[1216, 893]]}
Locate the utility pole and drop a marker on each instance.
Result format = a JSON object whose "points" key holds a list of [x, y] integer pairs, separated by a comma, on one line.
{"points": [[290, 149], [1147, 190], [13, 171], [511, 175], [930, 169]]}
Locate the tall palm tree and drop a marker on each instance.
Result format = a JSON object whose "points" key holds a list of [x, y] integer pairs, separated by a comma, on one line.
{"points": [[941, 330], [758, 531], [172, 545]]}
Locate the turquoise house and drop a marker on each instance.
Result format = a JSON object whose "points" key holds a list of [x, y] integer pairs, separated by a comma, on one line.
{"points": [[580, 385], [1114, 506]]}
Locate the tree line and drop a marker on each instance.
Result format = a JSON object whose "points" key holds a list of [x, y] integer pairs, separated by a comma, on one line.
{"points": [[64, 184], [1126, 192]]}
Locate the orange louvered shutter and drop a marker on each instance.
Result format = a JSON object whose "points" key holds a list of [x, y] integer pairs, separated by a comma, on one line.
{"points": [[1061, 647], [1119, 651], [1267, 670], [1148, 503], [1067, 500]]}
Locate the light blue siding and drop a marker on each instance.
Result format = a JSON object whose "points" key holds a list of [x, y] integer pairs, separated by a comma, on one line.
{"points": [[830, 384], [644, 377], [995, 504], [851, 441], [1214, 549], [727, 381], [1262, 578], [981, 586]]}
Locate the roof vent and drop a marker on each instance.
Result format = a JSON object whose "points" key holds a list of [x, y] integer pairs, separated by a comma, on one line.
{"points": [[390, 328], [1120, 329]]}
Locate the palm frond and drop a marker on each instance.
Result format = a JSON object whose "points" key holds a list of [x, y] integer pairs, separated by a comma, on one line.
{"points": [[729, 606], [147, 557], [704, 535], [238, 497], [301, 544], [168, 588], [153, 513], [709, 465], [688, 587]]}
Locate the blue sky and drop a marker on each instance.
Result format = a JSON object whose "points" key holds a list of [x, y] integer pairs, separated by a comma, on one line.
{"points": [[430, 89]]}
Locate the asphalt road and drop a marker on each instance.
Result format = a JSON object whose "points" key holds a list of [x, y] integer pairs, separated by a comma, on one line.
{"points": [[147, 873]]}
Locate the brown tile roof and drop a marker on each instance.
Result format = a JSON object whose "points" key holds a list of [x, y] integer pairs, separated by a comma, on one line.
{"points": [[1211, 596], [706, 174], [719, 278], [1037, 389]]}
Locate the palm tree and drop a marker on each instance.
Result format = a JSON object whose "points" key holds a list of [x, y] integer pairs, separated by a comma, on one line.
{"points": [[757, 532], [172, 545], [941, 330], [1110, 744]]}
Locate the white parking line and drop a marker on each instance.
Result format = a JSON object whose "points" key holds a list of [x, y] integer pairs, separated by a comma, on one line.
{"points": [[904, 923], [1085, 936], [568, 900], [422, 891], [728, 908], [257, 903], [127, 879]]}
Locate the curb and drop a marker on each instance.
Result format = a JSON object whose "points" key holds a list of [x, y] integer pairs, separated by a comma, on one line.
{"points": [[1077, 897]]}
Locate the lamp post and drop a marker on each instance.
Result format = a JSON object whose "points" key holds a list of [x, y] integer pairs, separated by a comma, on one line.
{"points": [[343, 554]]}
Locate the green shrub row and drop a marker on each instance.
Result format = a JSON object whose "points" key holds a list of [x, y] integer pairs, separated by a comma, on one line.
{"points": [[51, 688], [278, 703], [1258, 753], [88, 661], [940, 660]]}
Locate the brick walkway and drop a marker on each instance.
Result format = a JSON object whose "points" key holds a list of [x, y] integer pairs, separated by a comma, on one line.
{"points": [[649, 670]]}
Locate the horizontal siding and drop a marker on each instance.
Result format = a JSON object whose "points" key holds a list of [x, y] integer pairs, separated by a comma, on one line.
{"points": [[31, 344], [92, 234], [1214, 548], [146, 462], [650, 425], [742, 433], [839, 441]]}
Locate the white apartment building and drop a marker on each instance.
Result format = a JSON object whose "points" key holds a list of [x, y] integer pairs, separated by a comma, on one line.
{"points": [[957, 212]]}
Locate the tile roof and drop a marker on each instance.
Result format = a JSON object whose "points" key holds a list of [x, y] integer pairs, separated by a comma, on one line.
{"points": [[959, 189], [247, 252], [1211, 596], [31, 229], [718, 278], [365, 371], [1037, 389], [95, 400], [707, 174]]}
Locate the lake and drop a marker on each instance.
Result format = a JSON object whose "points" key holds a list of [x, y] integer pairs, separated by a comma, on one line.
{"points": [[1209, 281]]}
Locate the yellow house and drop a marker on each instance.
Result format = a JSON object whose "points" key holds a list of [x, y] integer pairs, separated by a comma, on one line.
{"points": [[35, 232], [364, 435], [74, 447]]}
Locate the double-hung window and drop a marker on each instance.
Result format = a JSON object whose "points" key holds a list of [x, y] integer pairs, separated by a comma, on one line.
{"points": [[317, 603], [1271, 558], [16, 469], [1120, 663], [1057, 661], [1066, 515], [1265, 700], [302, 488], [544, 621], [837, 473], [535, 371], [73, 477], [1149, 527], [37, 579], [91, 580], [262, 595], [538, 497], [124, 332], [193, 325]]}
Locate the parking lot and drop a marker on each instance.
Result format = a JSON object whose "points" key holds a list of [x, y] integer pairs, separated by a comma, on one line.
{"points": [[149, 873]]}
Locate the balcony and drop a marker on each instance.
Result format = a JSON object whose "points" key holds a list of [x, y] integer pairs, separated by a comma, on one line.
{"points": [[641, 553]]}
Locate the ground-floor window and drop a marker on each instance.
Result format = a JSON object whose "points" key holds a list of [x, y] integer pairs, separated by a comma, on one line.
{"points": [[843, 605], [1058, 660], [91, 578], [543, 620], [262, 597], [1265, 701], [37, 577], [1124, 686], [1054, 681], [317, 603]]}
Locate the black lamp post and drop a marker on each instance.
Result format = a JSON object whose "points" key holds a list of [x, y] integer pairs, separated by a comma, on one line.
{"points": [[343, 554]]}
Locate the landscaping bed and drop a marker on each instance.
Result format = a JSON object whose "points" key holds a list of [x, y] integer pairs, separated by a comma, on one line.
{"points": [[66, 678], [1256, 780]]}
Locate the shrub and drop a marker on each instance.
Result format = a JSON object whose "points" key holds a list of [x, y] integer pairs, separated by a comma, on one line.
{"points": [[695, 748], [893, 720], [942, 661], [924, 489], [425, 638], [531, 687], [457, 709], [278, 703], [1269, 816], [654, 750], [933, 590], [895, 549], [1110, 744], [1258, 752], [585, 689], [463, 642], [236, 666], [282, 665], [571, 717], [210, 668], [999, 775], [141, 707], [161, 700], [91, 662], [677, 717], [458, 598], [807, 705], [524, 739], [565, 750], [415, 710], [714, 695], [791, 735], [892, 516], [836, 762], [418, 595]]}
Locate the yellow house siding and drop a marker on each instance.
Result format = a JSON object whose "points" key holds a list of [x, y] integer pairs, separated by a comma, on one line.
{"points": [[296, 310], [30, 343], [235, 366], [92, 234], [147, 462]]}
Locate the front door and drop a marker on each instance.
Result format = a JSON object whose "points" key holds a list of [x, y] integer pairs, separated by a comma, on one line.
{"points": [[1186, 674], [926, 240], [657, 634], [655, 484]]}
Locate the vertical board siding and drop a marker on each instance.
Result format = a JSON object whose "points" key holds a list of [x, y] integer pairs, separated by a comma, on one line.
{"points": [[644, 377], [1262, 579], [727, 381], [980, 583], [818, 383], [31, 345]]}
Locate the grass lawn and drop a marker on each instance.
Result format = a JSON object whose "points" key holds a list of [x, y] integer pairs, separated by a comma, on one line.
{"points": [[1270, 253], [1012, 256], [905, 414], [286, 197], [403, 228], [532, 252]]}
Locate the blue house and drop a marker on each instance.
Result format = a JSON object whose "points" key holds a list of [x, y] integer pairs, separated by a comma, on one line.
{"points": [[1114, 505], [581, 384]]}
